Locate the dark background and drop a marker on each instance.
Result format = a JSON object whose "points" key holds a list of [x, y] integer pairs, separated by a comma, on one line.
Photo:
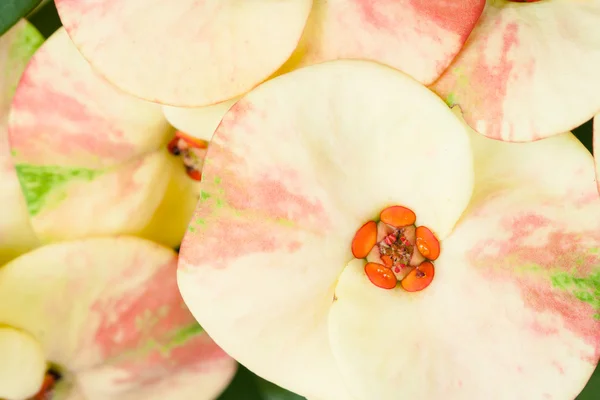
{"points": [[246, 385]]}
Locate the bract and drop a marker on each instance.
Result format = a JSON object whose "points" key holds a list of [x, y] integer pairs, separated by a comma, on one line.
{"points": [[301, 162], [202, 51], [108, 314]]}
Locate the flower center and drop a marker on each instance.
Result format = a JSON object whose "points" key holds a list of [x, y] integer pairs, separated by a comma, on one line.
{"points": [[524, 1], [192, 152], [397, 251], [46, 391]]}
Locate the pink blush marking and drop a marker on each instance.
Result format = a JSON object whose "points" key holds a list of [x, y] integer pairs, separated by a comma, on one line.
{"points": [[556, 251], [135, 330], [72, 128], [263, 195], [226, 238], [457, 16], [372, 15]]}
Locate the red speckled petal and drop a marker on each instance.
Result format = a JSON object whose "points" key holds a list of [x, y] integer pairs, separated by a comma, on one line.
{"points": [[596, 144], [83, 149], [515, 293], [108, 311], [419, 37], [16, 236], [188, 52], [294, 169], [528, 70]]}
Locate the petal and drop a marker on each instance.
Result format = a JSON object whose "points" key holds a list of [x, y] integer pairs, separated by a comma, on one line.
{"points": [[95, 152], [513, 310], [203, 52], [294, 169], [16, 236], [418, 37], [199, 122], [512, 85], [22, 367], [109, 312]]}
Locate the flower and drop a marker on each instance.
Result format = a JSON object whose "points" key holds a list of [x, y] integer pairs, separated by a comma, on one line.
{"points": [[105, 316], [208, 52], [86, 152], [528, 70], [16, 235], [302, 162]]}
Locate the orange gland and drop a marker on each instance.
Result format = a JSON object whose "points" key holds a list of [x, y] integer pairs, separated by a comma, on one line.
{"points": [[419, 278], [380, 276], [398, 216], [364, 239], [387, 261], [192, 141], [192, 151], [427, 244], [50, 381]]}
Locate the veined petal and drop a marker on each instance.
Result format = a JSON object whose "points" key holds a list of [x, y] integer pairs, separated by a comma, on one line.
{"points": [[526, 71], [293, 170], [418, 37], [108, 311], [203, 52], [199, 122], [16, 235], [84, 149], [22, 366], [513, 311]]}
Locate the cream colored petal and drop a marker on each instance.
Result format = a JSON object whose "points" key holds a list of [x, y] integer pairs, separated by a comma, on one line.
{"points": [[198, 122], [528, 70], [513, 310], [16, 236], [22, 364], [92, 160], [109, 313], [294, 169], [418, 37], [189, 52]]}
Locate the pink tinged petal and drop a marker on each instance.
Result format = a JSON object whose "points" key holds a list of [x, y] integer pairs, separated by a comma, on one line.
{"points": [[418, 37], [293, 170], [63, 114], [525, 72], [198, 122], [16, 236], [22, 366], [110, 313], [84, 149], [596, 144], [513, 311], [203, 52]]}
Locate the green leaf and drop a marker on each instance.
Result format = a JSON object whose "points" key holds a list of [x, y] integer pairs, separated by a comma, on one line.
{"points": [[11, 11], [270, 391], [592, 389]]}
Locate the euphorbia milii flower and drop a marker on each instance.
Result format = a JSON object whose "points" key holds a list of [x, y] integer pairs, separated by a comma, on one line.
{"points": [[208, 52], [16, 236], [529, 70], [477, 278], [94, 161], [103, 319]]}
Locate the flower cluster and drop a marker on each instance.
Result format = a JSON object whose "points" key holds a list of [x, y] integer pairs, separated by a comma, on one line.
{"points": [[372, 199]]}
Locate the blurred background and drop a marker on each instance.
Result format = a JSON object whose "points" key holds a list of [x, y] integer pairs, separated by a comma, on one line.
{"points": [[246, 385]]}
